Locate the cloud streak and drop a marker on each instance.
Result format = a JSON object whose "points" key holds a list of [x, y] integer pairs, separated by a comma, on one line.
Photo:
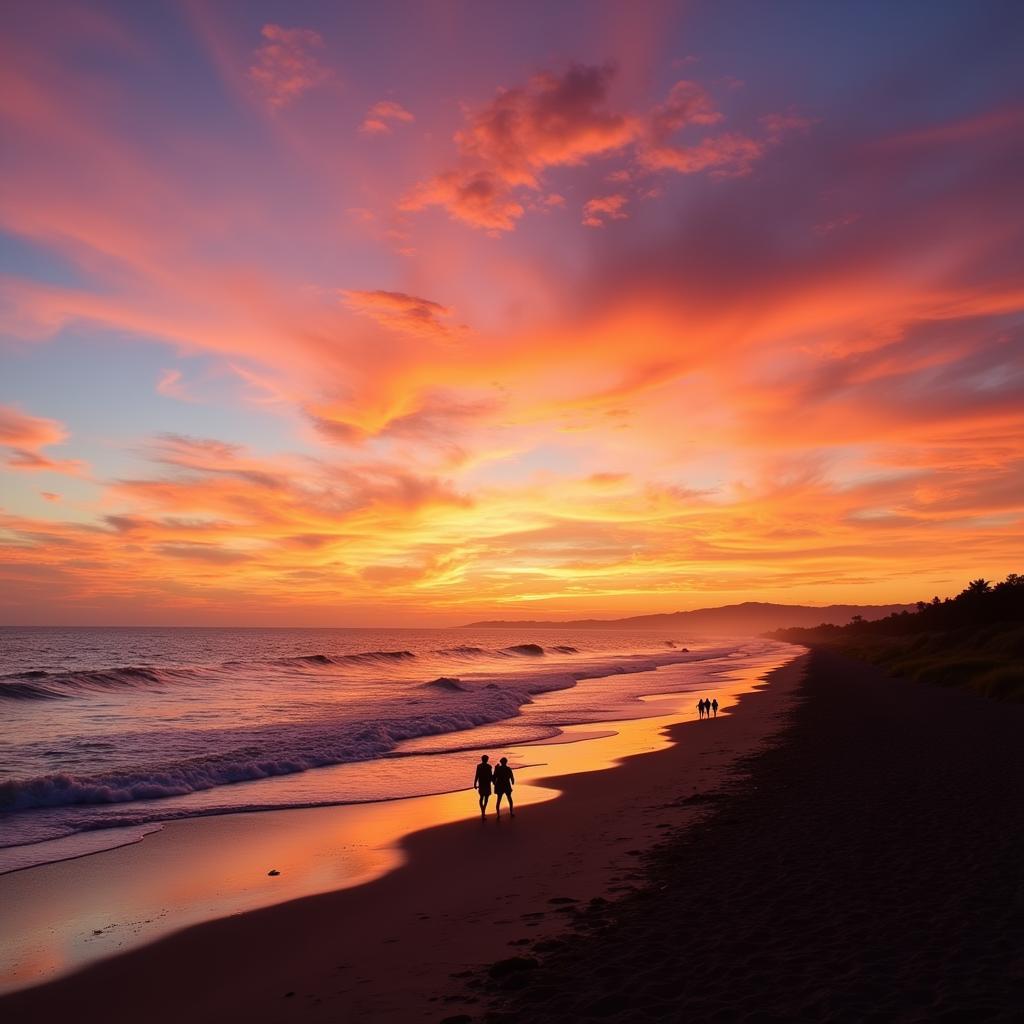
{"points": [[406, 313], [24, 436]]}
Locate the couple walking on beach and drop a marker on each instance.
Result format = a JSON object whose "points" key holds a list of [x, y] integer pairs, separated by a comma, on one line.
{"points": [[500, 777], [705, 707]]}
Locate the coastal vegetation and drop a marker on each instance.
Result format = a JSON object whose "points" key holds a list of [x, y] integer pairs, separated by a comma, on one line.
{"points": [[975, 639]]}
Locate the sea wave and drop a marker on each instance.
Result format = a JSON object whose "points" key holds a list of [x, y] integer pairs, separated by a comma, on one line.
{"points": [[446, 683], [524, 650], [362, 658], [152, 763], [39, 685], [282, 750]]}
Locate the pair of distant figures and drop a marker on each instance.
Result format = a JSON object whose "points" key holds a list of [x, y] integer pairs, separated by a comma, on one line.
{"points": [[499, 777], [706, 707]]}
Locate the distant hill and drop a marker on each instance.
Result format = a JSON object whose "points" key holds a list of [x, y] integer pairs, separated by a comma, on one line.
{"points": [[751, 617]]}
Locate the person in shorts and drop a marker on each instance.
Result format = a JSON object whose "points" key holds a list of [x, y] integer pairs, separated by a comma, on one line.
{"points": [[504, 780], [482, 782]]}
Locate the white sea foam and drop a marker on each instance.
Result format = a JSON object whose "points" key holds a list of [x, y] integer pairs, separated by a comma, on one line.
{"points": [[109, 730]]}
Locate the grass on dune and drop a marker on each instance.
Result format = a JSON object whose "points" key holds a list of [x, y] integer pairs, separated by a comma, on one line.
{"points": [[974, 640], [989, 660]]}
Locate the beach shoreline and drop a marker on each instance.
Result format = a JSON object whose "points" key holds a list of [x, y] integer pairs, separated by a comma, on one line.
{"points": [[560, 850], [867, 867]]}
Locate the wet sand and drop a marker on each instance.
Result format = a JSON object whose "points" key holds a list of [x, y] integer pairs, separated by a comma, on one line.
{"points": [[464, 894]]}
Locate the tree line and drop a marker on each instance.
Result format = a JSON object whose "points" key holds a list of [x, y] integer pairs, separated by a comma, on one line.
{"points": [[980, 603]]}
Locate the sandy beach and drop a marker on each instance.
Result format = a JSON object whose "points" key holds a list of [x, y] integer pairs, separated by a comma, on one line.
{"points": [[869, 868], [465, 894], [844, 846]]}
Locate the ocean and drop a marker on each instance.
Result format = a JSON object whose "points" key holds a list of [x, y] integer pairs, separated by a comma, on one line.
{"points": [[108, 732]]}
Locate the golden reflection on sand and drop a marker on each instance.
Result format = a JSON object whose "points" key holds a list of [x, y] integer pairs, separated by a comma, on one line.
{"points": [[59, 917]]}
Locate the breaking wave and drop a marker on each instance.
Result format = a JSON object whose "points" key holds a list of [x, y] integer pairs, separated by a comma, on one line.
{"points": [[260, 754], [38, 685], [150, 738], [446, 683], [363, 658], [526, 650]]}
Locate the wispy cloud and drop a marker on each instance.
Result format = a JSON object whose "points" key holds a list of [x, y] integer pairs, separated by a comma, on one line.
{"points": [[597, 211], [407, 313], [171, 385], [25, 436], [383, 116], [286, 66]]}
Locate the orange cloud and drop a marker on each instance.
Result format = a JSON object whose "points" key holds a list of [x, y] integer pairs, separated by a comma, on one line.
{"points": [[565, 120], [19, 430], [381, 116], [24, 436], [555, 120], [403, 312], [286, 65], [475, 197]]}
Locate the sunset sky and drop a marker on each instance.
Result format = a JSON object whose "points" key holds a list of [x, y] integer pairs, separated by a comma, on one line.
{"points": [[359, 314]]}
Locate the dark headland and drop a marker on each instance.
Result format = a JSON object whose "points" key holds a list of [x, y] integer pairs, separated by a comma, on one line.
{"points": [[744, 619]]}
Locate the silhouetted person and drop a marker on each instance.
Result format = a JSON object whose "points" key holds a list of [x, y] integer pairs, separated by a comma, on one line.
{"points": [[504, 780], [714, 706], [700, 707], [482, 782]]}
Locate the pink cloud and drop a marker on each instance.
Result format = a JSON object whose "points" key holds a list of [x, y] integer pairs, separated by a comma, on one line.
{"points": [[381, 117], [687, 104], [286, 65], [725, 155], [777, 125], [170, 385], [1006, 120], [598, 211]]}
